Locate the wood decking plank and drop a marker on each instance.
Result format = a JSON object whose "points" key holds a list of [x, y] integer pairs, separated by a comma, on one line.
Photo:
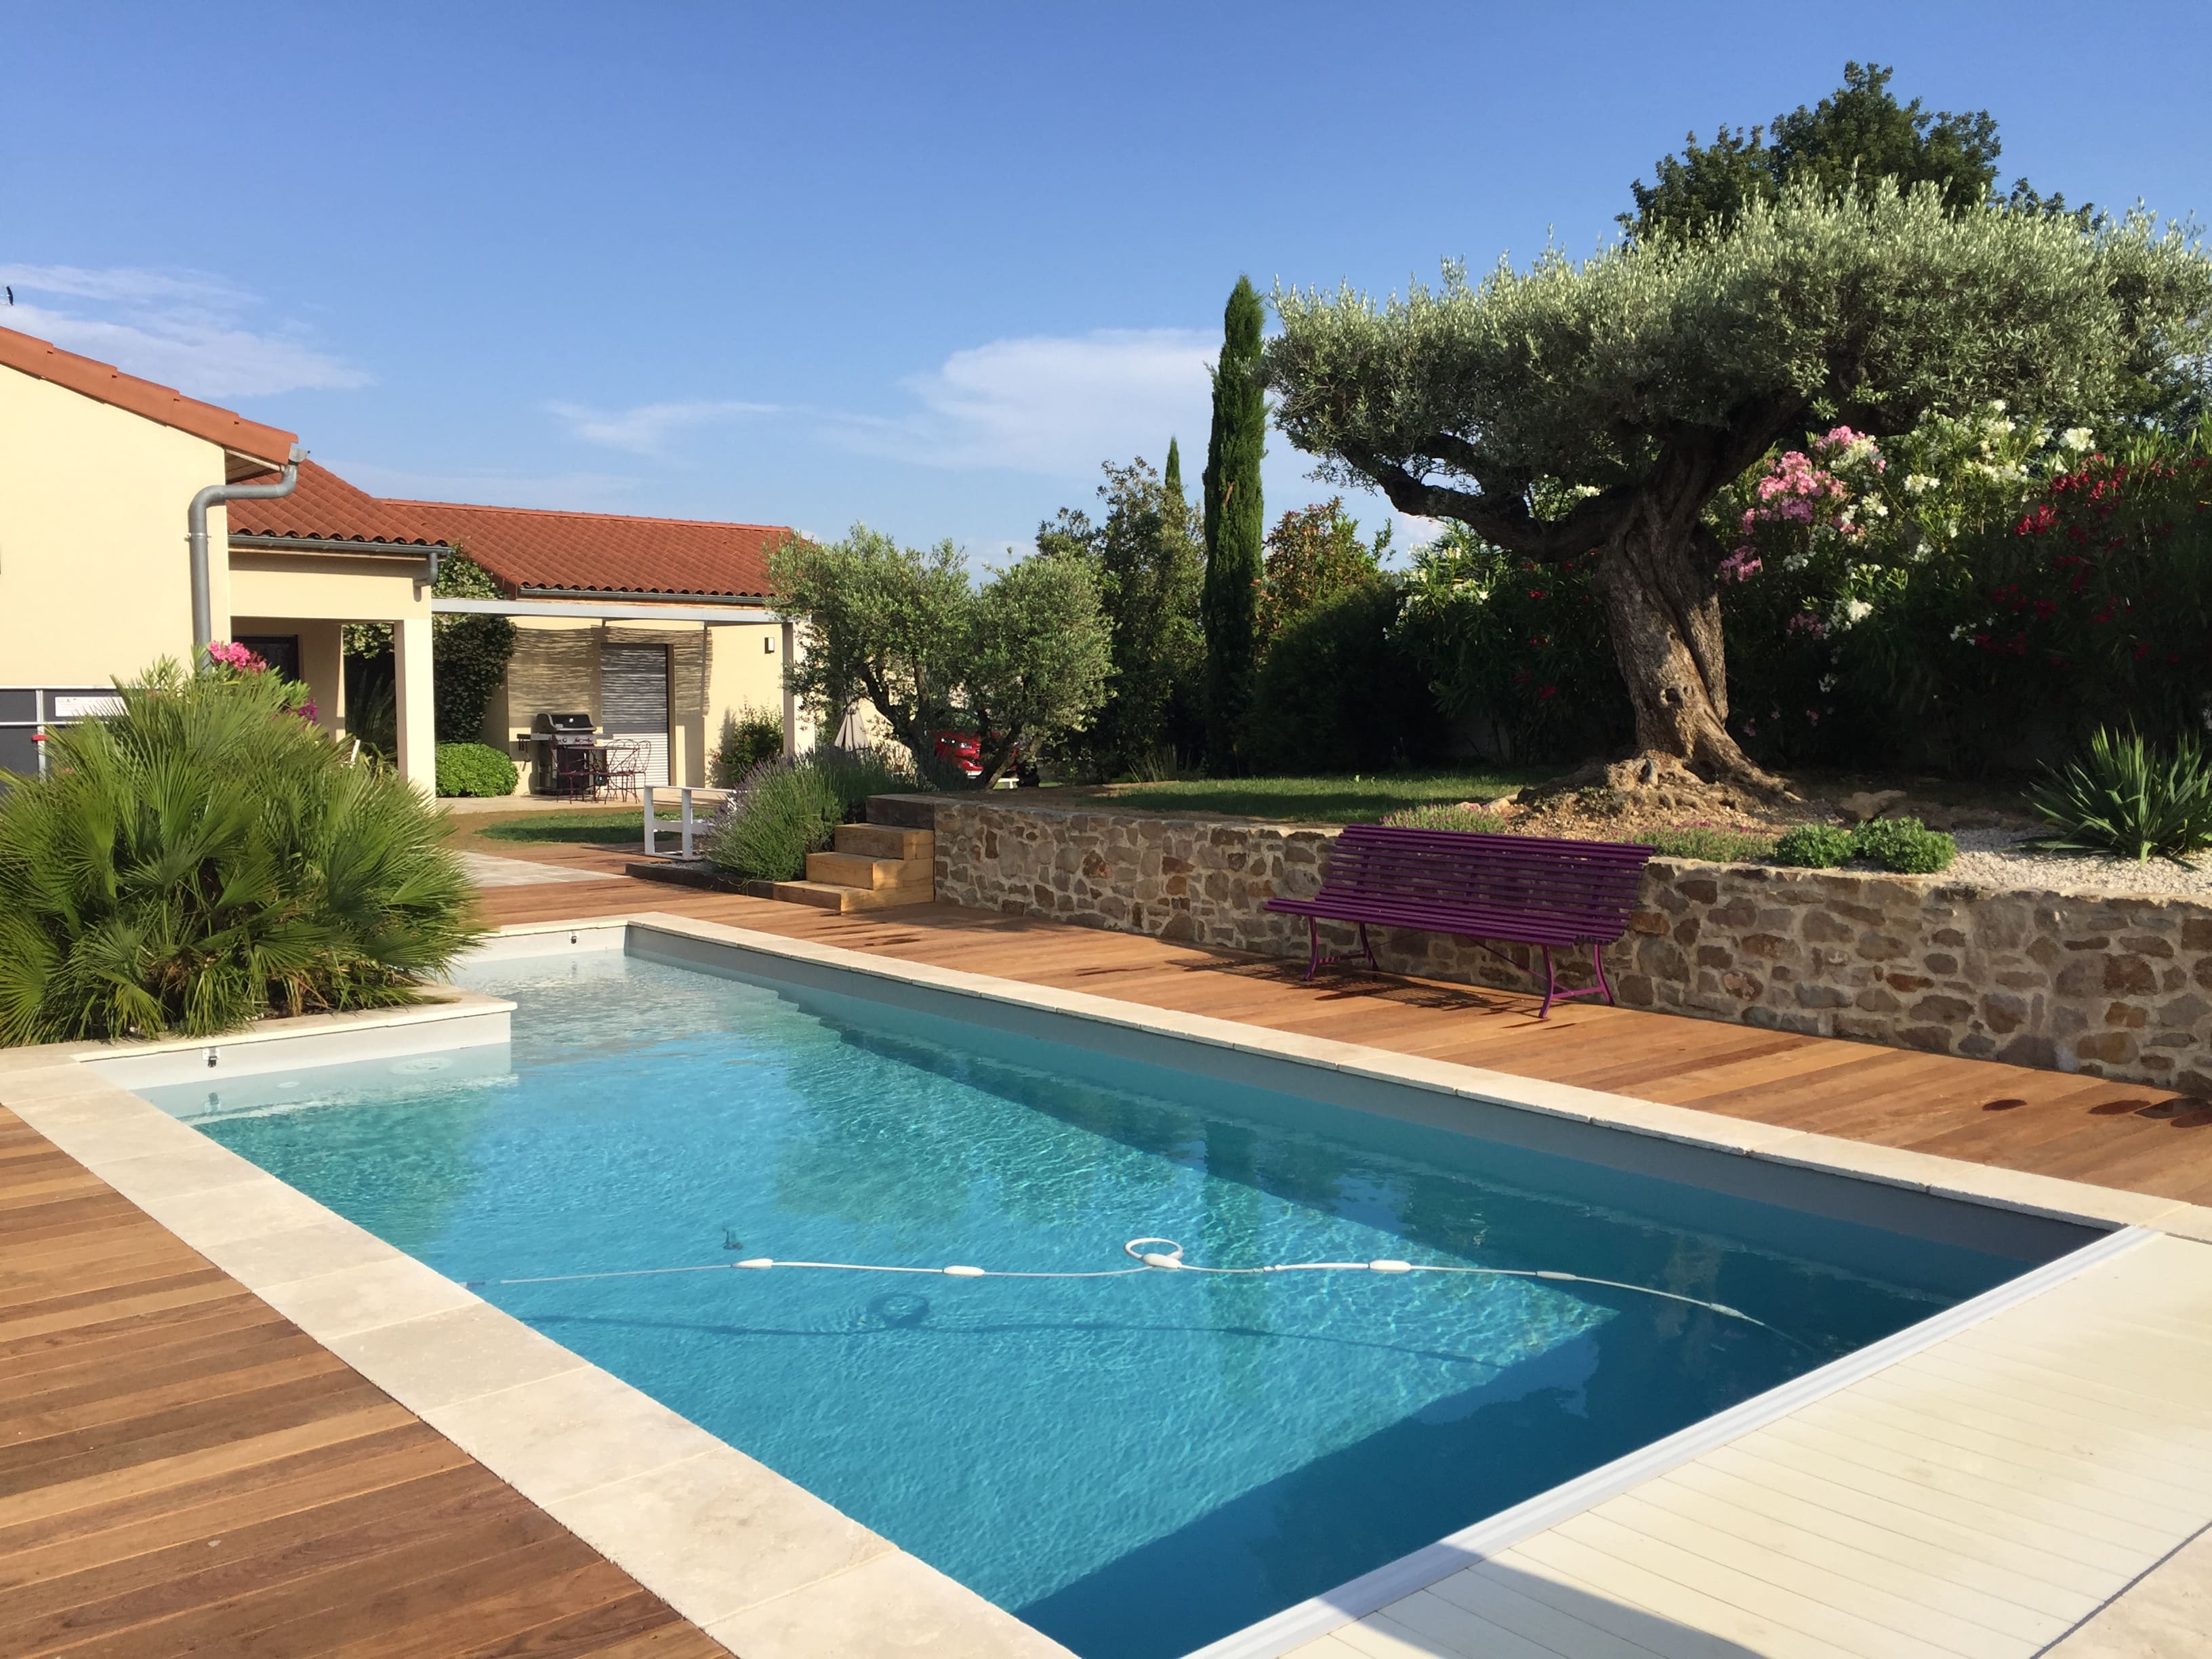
{"points": [[183, 1470]]}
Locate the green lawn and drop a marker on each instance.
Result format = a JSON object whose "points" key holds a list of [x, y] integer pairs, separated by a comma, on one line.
{"points": [[602, 826], [1313, 800]]}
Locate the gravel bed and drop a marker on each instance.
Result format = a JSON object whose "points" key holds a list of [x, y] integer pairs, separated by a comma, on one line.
{"points": [[1996, 858]]}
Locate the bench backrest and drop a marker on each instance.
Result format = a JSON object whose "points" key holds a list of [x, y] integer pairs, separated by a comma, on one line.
{"points": [[1589, 887]]}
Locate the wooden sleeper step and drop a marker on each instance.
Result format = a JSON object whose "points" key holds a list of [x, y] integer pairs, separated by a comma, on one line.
{"points": [[827, 896], [854, 870], [878, 840]]}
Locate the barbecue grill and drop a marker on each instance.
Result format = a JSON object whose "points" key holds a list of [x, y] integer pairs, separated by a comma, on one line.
{"points": [[567, 749]]}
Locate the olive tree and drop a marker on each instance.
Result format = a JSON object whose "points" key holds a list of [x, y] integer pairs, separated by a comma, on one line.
{"points": [[1020, 661], [1597, 409]]}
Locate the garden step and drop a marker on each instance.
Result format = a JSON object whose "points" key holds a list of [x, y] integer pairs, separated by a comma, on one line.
{"points": [[852, 870], [878, 840], [829, 896]]}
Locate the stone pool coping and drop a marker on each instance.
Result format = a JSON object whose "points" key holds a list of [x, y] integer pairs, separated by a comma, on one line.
{"points": [[763, 1565]]}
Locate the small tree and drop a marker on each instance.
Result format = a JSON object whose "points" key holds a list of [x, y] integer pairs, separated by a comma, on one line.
{"points": [[1037, 658], [1021, 662], [1235, 525], [1571, 409], [1315, 555], [1144, 558]]}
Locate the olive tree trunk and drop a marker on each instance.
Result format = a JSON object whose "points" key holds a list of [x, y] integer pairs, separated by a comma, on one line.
{"points": [[1662, 607]]}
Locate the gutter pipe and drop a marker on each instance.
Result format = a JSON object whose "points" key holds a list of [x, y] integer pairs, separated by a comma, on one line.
{"points": [[196, 524]]}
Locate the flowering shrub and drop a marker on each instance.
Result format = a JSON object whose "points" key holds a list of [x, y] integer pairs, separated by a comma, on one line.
{"points": [[1960, 594], [239, 659], [1516, 650], [2098, 605], [1970, 595], [227, 660]]}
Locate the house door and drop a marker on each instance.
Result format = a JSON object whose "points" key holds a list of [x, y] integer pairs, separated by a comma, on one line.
{"points": [[634, 701]]}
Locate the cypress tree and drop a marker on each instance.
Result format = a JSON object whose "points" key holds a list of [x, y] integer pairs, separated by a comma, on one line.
{"points": [[1236, 529], [1171, 480]]}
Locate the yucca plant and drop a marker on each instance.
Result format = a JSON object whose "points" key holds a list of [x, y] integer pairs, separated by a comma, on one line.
{"points": [[206, 856], [2127, 796]]}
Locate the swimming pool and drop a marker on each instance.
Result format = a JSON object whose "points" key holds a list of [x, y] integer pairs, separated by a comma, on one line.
{"points": [[1134, 1465]]}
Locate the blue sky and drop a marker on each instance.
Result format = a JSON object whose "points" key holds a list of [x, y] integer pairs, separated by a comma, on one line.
{"points": [[924, 266]]}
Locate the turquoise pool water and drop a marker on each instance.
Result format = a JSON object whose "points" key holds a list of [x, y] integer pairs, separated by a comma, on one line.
{"points": [[1137, 1465]]}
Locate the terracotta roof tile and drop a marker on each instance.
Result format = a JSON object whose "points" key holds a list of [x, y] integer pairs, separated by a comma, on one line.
{"points": [[106, 384], [607, 552], [326, 508], [531, 547]]}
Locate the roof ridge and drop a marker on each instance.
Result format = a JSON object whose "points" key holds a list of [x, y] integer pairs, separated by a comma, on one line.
{"points": [[578, 513]]}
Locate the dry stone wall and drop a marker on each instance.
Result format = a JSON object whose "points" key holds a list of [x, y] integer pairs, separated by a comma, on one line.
{"points": [[2117, 986]]}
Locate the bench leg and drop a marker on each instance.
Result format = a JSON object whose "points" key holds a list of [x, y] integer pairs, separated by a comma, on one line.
{"points": [[1597, 961], [1313, 947], [1370, 949], [1551, 985]]}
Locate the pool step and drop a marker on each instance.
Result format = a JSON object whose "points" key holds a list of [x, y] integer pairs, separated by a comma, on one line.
{"points": [[873, 867]]}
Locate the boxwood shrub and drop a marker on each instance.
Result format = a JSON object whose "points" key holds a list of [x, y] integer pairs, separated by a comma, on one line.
{"points": [[474, 768]]}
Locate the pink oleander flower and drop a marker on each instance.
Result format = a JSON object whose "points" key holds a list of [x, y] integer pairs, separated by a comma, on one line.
{"points": [[231, 654], [1742, 564]]}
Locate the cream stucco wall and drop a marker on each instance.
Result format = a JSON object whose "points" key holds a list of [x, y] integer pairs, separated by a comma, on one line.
{"points": [[333, 588], [94, 579], [741, 674]]}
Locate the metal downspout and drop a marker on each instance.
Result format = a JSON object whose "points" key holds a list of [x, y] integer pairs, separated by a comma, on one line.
{"points": [[196, 524]]}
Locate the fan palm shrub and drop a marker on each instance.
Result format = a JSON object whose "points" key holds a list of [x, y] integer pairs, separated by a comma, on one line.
{"points": [[2127, 796], [206, 856]]}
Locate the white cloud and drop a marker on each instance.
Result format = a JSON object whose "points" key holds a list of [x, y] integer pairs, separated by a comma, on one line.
{"points": [[1049, 405], [128, 284], [184, 328], [643, 429]]}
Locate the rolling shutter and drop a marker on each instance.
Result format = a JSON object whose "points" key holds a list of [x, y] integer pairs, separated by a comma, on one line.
{"points": [[634, 700]]}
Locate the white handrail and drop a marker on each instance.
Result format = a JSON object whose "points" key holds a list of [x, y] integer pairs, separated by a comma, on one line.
{"points": [[685, 823]]}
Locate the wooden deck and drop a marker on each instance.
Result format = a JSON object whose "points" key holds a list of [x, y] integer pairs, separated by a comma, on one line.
{"points": [[182, 1471], [2055, 1123]]}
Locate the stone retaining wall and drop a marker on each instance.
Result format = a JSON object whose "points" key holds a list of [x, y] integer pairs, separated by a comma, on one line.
{"points": [[2115, 986]]}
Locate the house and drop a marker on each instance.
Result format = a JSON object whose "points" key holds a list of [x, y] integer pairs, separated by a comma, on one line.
{"points": [[656, 628], [98, 471]]}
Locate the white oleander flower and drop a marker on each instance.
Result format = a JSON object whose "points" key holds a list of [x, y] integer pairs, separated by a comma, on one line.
{"points": [[1918, 483], [2075, 437]]}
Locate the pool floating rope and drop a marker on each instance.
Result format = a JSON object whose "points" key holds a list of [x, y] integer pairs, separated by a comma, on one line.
{"points": [[1167, 1260]]}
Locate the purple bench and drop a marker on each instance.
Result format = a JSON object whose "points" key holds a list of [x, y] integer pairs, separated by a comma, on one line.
{"points": [[1516, 889]]}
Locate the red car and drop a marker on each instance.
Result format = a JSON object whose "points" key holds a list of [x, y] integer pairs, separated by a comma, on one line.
{"points": [[963, 749]]}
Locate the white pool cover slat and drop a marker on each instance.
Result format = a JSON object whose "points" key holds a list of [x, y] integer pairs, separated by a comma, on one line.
{"points": [[1981, 1499]]}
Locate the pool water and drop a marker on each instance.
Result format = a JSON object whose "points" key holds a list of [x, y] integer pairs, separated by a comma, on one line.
{"points": [[1137, 1465]]}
